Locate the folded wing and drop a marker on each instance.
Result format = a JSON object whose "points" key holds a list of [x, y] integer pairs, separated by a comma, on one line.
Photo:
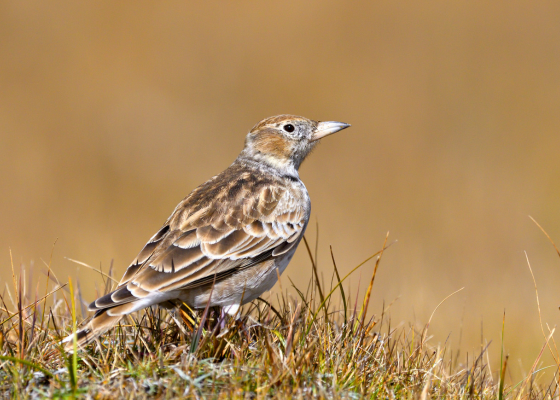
{"points": [[213, 240]]}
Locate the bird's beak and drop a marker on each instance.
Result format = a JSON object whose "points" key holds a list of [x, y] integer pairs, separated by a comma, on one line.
{"points": [[328, 128]]}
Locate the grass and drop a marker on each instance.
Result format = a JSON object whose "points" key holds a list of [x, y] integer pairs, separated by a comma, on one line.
{"points": [[321, 344]]}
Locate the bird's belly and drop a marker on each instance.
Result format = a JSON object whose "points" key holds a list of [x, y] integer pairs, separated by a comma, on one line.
{"points": [[239, 288]]}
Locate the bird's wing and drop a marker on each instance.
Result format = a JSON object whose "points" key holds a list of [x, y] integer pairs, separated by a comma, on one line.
{"points": [[237, 228]]}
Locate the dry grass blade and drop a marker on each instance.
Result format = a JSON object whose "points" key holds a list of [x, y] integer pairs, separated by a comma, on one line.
{"points": [[426, 390], [502, 378], [93, 268], [316, 275], [342, 294], [198, 335], [425, 331], [554, 356], [365, 304], [291, 331], [530, 374], [33, 304], [546, 234], [13, 272]]}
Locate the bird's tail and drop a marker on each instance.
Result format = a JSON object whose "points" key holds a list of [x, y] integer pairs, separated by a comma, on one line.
{"points": [[99, 324], [109, 310]]}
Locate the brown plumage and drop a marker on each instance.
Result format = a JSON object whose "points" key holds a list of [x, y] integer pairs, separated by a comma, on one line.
{"points": [[231, 236]]}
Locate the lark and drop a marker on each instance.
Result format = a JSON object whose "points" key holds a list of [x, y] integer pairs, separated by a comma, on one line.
{"points": [[228, 241]]}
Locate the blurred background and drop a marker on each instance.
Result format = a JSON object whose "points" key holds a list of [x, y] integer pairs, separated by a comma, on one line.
{"points": [[112, 112]]}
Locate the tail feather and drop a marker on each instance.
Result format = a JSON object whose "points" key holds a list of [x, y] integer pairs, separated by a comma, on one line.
{"points": [[109, 310], [99, 324]]}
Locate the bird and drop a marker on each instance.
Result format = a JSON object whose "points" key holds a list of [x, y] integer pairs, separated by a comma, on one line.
{"points": [[228, 241]]}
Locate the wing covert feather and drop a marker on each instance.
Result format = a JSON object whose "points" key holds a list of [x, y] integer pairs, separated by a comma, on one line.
{"points": [[217, 235]]}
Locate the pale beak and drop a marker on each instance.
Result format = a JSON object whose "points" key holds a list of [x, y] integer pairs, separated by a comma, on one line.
{"points": [[328, 128]]}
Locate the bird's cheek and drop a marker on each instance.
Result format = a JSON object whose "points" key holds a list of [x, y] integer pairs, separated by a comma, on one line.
{"points": [[274, 146]]}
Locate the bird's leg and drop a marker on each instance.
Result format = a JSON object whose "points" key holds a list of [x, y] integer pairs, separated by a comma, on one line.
{"points": [[189, 316]]}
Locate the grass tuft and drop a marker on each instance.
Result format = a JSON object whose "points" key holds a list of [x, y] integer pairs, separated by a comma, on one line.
{"points": [[320, 344]]}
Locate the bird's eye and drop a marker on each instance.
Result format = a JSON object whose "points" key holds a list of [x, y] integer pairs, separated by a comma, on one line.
{"points": [[289, 128]]}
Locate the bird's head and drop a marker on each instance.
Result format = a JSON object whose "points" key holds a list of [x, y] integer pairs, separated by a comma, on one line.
{"points": [[284, 141]]}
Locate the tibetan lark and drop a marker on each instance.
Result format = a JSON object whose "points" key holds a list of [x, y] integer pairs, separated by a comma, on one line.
{"points": [[226, 243]]}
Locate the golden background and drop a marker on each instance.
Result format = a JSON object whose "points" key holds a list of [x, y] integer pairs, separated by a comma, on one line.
{"points": [[112, 112]]}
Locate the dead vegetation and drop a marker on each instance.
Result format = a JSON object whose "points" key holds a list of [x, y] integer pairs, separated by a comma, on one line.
{"points": [[321, 344]]}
